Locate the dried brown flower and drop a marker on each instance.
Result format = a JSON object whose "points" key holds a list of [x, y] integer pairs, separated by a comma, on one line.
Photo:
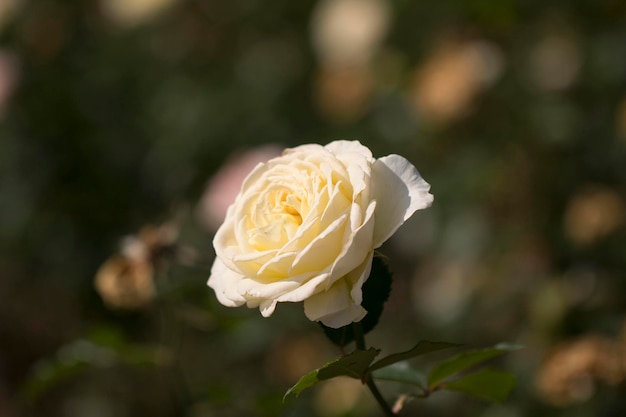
{"points": [[572, 371]]}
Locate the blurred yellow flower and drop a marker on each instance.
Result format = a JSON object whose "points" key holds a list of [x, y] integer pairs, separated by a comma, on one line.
{"points": [[593, 213], [445, 85], [133, 12], [348, 32]]}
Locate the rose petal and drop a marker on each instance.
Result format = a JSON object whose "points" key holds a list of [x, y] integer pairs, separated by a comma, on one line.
{"points": [[224, 282], [319, 254], [252, 289], [334, 307], [342, 148], [351, 314], [358, 277], [308, 287], [341, 303], [399, 191], [357, 160], [267, 307], [357, 246]]}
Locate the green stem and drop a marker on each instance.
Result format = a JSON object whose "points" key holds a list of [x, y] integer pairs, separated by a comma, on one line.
{"points": [[367, 379], [359, 338]]}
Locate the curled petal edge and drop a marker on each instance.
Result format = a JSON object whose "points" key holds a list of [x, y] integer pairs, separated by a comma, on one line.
{"points": [[399, 191]]}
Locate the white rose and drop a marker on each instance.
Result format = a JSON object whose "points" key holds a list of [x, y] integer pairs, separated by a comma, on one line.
{"points": [[305, 225]]}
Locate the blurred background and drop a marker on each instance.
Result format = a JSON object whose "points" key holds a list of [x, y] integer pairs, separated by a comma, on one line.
{"points": [[126, 127]]}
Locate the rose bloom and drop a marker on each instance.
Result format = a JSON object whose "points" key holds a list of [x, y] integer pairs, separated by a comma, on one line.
{"points": [[305, 225]]}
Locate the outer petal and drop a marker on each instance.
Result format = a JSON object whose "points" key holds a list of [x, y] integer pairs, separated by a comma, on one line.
{"points": [[351, 314], [342, 147], [224, 282], [399, 191], [358, 278], [340, 305], [267, 307], [356, 248], [334, 307]]}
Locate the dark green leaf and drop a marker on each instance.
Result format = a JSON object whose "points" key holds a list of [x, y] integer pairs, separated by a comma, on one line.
{"points": [[145, 355], [107, 336], [401, 372], [375, 292], [421, 348], [489, 384], [353, 365], [81, 355], [48, 374], [303, 383], [464, 361], [69, 361]]}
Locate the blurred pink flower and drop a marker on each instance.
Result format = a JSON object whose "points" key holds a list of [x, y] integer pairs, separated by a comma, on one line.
{"points": [[225, 184]]}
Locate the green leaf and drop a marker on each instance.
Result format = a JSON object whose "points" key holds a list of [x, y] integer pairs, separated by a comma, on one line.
{"points": [[421, 348], [69, 361], [49, 373], [136, 355], [401, 372], [353, 365], [464, 361], [81, 355], [489, 384], [107, 336], [303, 383], [375, 292]]}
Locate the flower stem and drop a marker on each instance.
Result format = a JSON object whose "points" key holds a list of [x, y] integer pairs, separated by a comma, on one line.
{"points": [[367, 379], [359, 338]]}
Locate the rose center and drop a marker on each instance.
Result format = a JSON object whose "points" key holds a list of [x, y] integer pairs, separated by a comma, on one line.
{"points": [[277, 217], [287, 206]]}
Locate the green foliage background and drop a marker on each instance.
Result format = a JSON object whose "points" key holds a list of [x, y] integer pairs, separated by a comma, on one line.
{"points": [[112, 126]]}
